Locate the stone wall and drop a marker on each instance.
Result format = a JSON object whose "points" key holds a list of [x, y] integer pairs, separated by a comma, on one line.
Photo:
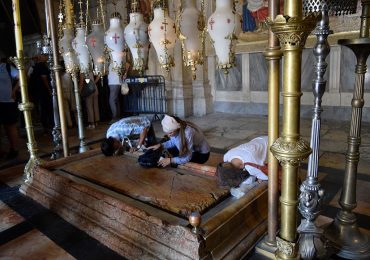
{"points": [[251, 96]]}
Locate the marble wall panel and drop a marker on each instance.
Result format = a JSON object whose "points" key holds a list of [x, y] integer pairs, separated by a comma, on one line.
{"points": [[231, 81], [258, 72], [347, 71]]}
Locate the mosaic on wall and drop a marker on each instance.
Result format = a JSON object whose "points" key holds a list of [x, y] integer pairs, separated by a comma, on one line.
{"points": [[255, 12]]}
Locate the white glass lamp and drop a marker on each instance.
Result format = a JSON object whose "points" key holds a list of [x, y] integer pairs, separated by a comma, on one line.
{"points": [[68, 53], [224, 26], [114, 40], [136, 36], [191, 26], [162, 33], [95, 43], [82, 51]]}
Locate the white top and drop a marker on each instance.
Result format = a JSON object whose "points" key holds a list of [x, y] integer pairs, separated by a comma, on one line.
{"points": [[113, 77], [254, 151]]}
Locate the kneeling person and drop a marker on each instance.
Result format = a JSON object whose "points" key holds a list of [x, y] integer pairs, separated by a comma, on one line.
{"points": [[187, 142], [250, 156], [128, 128]]}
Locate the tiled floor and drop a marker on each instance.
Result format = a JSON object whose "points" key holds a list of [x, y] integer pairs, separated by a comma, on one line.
{"points": [[28, 231]]}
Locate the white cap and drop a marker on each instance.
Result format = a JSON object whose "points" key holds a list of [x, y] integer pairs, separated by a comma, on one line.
{"points": [[169, 124]]}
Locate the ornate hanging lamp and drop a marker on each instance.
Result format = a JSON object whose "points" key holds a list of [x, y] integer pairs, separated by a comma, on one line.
{"points": [[72, 65], [191, 30], [95, 43], [224, 26], [136, 36], [162, 33], [115, 43], [80, 47]]}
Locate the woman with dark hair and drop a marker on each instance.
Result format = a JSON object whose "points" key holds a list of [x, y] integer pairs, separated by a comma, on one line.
{"points": [[187, 142]]}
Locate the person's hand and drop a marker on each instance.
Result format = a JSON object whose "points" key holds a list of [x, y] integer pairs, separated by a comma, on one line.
{"points": [[154, 147], [164, 162], [133, 149]]}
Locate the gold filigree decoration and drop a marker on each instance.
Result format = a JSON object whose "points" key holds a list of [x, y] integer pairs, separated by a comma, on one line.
{"points": [[292, 152], [293, 31], [285, 247]]}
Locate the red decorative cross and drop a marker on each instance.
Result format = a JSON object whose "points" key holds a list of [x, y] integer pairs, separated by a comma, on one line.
{"points": [[115, 38], [165, 26], [93, 41], [211, 23]]}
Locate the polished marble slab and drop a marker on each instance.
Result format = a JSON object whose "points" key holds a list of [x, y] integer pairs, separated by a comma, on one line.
{"points": [[8, 217], [33, 245]]}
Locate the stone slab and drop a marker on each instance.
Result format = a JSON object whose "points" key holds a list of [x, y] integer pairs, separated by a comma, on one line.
{"points": [[166, 188], [140, 230]]}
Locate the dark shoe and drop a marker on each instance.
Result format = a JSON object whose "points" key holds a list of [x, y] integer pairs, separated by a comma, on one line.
{"points": [[12, 155]]}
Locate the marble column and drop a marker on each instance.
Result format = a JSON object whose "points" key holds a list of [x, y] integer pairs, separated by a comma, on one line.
{"points": [[202, 92]]}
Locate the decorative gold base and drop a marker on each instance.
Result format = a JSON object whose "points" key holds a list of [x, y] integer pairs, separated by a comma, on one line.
{"points": [[348, 240], [266, 249], [286, 249]]}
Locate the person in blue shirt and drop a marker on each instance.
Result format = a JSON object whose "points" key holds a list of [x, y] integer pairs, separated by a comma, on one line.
{"points": [[187, 142], [127, 129]]}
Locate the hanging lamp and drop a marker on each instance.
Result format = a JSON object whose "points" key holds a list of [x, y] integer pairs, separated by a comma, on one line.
{"points": [[95, 43], [224, 26], [136, 36], [191, 31], [162, 33]]}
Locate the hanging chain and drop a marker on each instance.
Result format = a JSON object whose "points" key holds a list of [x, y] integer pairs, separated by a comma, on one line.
{"points": [[87, 18], [60, 19]]}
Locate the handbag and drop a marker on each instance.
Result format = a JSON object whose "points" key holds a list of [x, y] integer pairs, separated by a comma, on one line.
{"points": [[229, 176], [88, 89], [150, 158], [124, 88]]}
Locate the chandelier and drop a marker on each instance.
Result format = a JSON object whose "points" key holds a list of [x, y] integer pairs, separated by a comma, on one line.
{"points": [[95, 43], [162, 33], [224, 25], [136, 36], [191, 31], [114, 40], [80, 47]]}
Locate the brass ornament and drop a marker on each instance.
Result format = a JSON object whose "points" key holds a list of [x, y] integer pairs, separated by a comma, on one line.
{"points": [[293, 31], [287, 248], [290, 152]]}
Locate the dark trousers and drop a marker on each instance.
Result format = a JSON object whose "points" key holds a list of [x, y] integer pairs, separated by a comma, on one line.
{"points": [[196, 157]]}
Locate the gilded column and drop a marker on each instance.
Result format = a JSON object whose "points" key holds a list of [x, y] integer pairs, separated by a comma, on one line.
{"points": [[290, 149], [273, 56], [57, 68], [26, 106]]}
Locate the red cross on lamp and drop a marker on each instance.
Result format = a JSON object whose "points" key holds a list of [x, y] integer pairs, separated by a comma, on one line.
{"points": [[224, 37], [163, 36]]}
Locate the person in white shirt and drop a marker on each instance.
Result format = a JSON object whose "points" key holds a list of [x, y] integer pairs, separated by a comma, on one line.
{"points": [[254, 152]]}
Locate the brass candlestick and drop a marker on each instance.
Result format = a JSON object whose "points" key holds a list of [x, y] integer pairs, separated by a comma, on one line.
{"points": [[290, 149], [273, 56], [343, 233], [26, 106]]}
